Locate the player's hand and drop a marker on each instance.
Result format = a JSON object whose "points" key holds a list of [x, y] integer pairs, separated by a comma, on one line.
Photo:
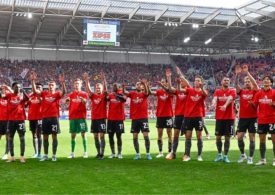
{"points": [[144, 81], [159, 83], [245, 68], [62, 78], [212, 107], [223, 108], [168, 72], [272, 103], [238, 69], [101, 76], [86, 77], [178, 70], [33, 76]]}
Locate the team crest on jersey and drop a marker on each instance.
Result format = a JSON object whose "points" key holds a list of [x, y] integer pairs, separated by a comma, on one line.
{"points": [[247, 96], [49, 99], [163, 97], [138, 100], [97, 101], [196, 98]]}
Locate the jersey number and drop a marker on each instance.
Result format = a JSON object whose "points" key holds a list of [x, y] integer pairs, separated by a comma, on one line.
{"points": [[169, 122], [271, 127], [54, 128]]}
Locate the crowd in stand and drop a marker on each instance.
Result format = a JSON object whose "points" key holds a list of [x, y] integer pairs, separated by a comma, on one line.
{"points": [[212, 70]]}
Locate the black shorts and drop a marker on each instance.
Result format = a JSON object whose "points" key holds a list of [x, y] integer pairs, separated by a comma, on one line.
{"points": [[18, 126], [266, 128], [178, 121], [249, 124], [3, 127], [224, 127], [140, 125], [98, 126], [50, 126], [35, 125], [192, 123], [164, 122], [115, 126]]}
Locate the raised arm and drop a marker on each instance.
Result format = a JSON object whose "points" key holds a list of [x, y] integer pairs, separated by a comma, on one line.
{"points": [[33, 77], [86, 79], [105, 89], [238, 70], [124, 91], [171, 90], [145, 85], [62, 81], [179, 73], [25, 95], [253, 81]]}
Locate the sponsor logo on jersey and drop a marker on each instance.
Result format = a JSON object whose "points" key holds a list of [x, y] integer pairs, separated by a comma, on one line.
{"points": [[195, 98], [50, 99], [265, 100], [223, 98], [137, 100], [247, 96], [181, 96], [97, 100], [163, 97]]}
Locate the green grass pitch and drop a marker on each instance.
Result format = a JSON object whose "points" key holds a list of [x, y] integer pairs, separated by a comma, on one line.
{"points": [[126, 176]]}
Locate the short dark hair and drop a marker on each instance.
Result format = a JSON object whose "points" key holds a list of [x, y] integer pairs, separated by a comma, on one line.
{"points": [[269, 77], [14, 83], [38, 84]]}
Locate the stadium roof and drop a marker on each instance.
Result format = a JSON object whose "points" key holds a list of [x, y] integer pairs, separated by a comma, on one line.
{"points": [[146, 26]]}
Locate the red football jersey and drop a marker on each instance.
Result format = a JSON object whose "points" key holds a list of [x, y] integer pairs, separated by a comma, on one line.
{"points": [[266, 112], [222, 96], [3, 109], [116, 108], [34, 103], [99, 106], [164, 104], [77, 109], [194, 103], [50, 104], [138, 105], [246, 109], [180, 103], [16, 107]]}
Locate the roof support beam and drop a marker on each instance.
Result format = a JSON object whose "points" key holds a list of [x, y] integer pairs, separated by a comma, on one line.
{"points": [[134, 12], [187, 15], [232, 20], [268, 3], [38, 26], [10, 24], [105, 11], [261, 12], [157, 17], [66, 27], [211, 16]]}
